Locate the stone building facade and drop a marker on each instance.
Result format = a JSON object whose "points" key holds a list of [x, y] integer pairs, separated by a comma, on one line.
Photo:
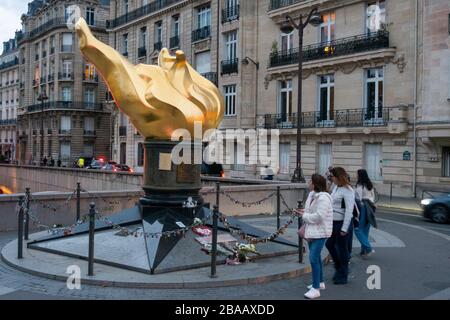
{"points": [[375, 81], [9, 99], [74, 121]]}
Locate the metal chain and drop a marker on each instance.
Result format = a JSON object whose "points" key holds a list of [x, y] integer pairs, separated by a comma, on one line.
{"points": [[248, 204]]}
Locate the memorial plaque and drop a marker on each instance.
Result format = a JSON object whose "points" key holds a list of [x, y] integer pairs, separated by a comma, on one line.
{"points": [[187, 173], [165, 162]]}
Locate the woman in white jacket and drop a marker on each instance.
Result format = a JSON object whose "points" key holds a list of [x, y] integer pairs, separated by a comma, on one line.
{"points": [[318, 219]]}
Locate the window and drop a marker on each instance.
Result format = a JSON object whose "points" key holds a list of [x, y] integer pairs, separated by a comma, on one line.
{"points": [[67, 41], [90, 16], [52, 44], [123, 153], [89, 124], [325, 157], [65, 150], [203, 62], [373, 160], [66, 123], [204, 17], [68, 12], [327, 27], [230, 100], [326, 97], [89, 71], [89, 95], [376, 16], [67, 68], [125, 44], [238, 156], [143, 37], [446, 161], [175, 26], [140, 155], [285, 154], [285, 100], [66, 94], [158, 32], [231, 45], [374, 94], [287, 41], [125, 6], [88, 150]]}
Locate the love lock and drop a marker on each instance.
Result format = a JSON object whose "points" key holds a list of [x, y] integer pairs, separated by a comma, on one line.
{"points": [[189, 203]]}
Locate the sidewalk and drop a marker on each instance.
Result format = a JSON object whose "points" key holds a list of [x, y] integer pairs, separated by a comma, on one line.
{"points": [[411, 205]]}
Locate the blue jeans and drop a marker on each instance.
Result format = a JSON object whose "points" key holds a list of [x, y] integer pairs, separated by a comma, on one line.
{"points": [[362, 232], [315, 248]]}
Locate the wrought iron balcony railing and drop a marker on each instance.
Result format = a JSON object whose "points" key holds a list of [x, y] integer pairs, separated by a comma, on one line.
{"points": [[142, 52], [51, 78], [338, 118], [8, 122], [89, 132], [175, 42], [277, 4], [67, 48], [211, 76], [355, 44], [51, 105], [202, 33], [157, 46], [65, 131], [8, 64], [229, 66], [90, 78], [230, 13], [140, 12], [65, 76], [43, 80], [60, 22], [122, 131]]}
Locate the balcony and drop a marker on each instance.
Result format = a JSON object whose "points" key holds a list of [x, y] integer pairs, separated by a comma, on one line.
{"points": [[344, 46], [157, 46], [43, 80], [174, 42], [230, 14], [90, 78], [52, 24], [89, 132], [338, 118], [140, 12], [277, 4], [8, 122], [35, 82], [44, 54], [122, 131], [53, 105], [211, 76], [50, 78], [64, 76], [142, 52], [52, 50], [65, 131], [8, 64], [201, 34], [229, 66], [67, 48]]}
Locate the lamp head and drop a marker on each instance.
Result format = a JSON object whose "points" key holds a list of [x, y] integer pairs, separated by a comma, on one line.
{"points": [[286, 26], [316, 19]]}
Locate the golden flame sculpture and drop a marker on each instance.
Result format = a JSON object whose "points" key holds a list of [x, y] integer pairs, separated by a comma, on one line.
{"points": [[157, 99]]}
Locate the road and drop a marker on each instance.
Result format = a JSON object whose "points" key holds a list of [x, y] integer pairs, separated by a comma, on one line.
{"points": [[415, 265]]}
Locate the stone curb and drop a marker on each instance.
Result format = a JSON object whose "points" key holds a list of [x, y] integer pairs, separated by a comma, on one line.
{"points": [[213, 283]]}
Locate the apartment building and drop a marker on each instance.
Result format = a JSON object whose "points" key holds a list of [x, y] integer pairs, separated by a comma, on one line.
{"points": [[9, 99], [62, 111]]}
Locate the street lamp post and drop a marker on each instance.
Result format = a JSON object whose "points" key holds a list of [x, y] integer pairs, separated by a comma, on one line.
{"points": [[315, 19], [42, 98]]}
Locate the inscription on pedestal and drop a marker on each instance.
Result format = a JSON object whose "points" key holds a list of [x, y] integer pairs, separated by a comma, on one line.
{"points": [[187, 173]]}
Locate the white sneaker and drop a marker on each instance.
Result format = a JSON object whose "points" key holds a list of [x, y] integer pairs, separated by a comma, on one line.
{"points": [[321, 287], [312, 294]]}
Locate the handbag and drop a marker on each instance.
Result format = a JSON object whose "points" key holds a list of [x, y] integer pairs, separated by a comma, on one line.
{"points": [[301, 231]]}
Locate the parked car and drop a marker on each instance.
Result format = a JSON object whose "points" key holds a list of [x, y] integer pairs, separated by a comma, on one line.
{"points": [[213, 170], [437, 209], [96, 164], [112, 166]]}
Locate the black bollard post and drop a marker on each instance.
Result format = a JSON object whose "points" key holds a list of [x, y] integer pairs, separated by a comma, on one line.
{"points": [[300, 239], [27, 216], [217, 194], [91, 239], [20, 231], [278, 207], [214, 242], [78, 201]]}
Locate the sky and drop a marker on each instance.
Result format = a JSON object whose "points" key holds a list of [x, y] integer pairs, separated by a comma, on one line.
{"points": [[10, 13]]}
